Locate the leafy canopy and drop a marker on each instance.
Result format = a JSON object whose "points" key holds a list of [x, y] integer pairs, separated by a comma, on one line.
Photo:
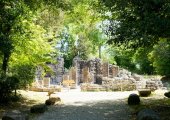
{"points": [[140, 22]]}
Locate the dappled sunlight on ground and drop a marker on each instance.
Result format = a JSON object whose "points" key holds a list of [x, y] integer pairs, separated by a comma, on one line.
{"points": [[78, 105], [29, 96], [96, 110], [71, 97]]}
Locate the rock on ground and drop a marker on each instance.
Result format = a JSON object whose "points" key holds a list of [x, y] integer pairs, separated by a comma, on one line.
{"points": [[133, 99]]}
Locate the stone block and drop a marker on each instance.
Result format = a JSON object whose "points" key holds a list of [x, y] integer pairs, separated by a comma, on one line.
{"points": [[72, 73], [105, 69], [52, 100], [85, 75], [144, 92], [67, 83], [136, 77], [115, 70], [65, 77], [46, 81]]}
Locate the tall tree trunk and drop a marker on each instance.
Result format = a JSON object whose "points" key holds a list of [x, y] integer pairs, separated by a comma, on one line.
{"points": [[5, 62], [100, 55]]}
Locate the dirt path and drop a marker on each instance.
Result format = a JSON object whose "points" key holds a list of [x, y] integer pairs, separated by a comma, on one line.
{"points": [[89, 106]]}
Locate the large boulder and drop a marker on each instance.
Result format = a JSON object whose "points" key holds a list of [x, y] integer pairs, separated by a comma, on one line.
{"points": [[52, 101], [167, 94], [147, 114], [133, 99], [14, 115], [38, 108]]}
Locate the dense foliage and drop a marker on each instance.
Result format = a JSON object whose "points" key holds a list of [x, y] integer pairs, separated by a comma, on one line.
{"points": [[80, 34], [141, 25], [133, 34], [140, 22], [24, 43], [160, 57]]}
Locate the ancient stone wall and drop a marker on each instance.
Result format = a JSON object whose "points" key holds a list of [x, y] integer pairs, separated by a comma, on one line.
{"points": [[46, 82], [118, 85], [92, 70], [105, 69], [82, 64], [113, 71], [154, 84], [38, 73], [59, 70], [72, 74], [95, 72], [89, 70], [98, 66], [86, 77]]}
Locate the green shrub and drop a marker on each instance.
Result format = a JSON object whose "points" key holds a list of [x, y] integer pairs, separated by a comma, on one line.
{"points": [[38, 108], [25, 73], [7, 86]]}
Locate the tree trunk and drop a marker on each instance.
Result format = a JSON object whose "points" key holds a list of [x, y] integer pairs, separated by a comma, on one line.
{"points": [[100, 55], [5, 62]]}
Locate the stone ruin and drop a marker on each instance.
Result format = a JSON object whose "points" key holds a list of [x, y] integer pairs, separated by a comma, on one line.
{"points": [[50, 80], [95, 74], [106, 76]]}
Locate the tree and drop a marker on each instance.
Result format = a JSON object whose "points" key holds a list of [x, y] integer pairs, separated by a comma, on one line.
{"points": [[134, 60], [15, 16], [122, 57], [142, 61], [29, 52], [24, 42], [160, 56], [140, 22], [67, 46], [83, 29], [84, 46], [98, 39], [9, 16]]}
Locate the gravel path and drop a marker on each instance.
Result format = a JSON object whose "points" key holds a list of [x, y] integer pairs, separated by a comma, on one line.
{"points": [[89, 106]]}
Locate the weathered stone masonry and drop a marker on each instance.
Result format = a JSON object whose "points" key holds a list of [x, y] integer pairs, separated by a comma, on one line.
{"points": [[97, 72]]}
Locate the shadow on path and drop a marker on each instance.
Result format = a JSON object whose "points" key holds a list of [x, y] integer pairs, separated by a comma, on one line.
{"points": [[96, 110]]}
